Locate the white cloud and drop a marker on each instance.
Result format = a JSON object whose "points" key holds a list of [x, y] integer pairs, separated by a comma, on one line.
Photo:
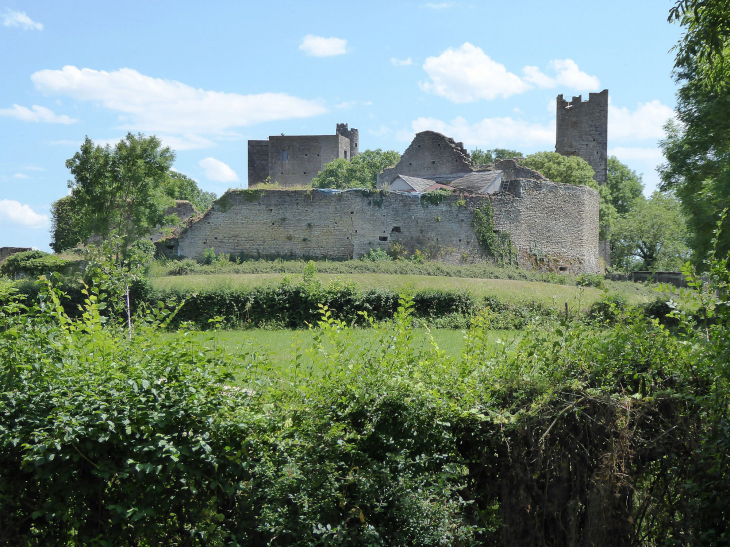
{"points": [[466, 74], [399, 62], [169, 107], [37, 114], [645, 122], [20, 19], [14, 213], [636, 154], [20, 176], [381, 131], [491, 131], [438, 5], [318, 46], [218, 171], [345, 105], [567, 74]]}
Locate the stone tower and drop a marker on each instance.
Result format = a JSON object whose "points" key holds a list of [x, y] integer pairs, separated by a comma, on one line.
{"points": [[582, 130], [352, 134]]}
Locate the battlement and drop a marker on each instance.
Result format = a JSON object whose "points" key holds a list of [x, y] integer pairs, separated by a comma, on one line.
{"points": [[582, 130]]}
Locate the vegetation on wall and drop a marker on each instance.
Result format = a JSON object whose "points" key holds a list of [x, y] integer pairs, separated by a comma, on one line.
{"points": [[359, 172], [482, 158], [495, 244]]}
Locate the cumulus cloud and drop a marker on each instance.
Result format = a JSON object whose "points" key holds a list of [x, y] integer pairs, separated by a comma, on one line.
{"points": [[318, 46], [20, 176], [466, 74], [35, 114], [169, 107], [218, 171], [491, 131], [401, 62], [567, 74], [20, 19], [645, 122], [636, 154], [14, 213]]}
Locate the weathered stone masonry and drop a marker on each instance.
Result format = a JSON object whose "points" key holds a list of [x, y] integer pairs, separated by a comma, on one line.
{"points": [[582, 130], [551, 222]]}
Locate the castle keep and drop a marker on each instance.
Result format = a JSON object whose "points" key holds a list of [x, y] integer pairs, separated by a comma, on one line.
{"points": [[294, 160], [582, 130]]}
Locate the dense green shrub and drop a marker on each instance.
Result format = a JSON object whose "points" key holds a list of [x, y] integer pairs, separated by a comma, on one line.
{"points": [[32, 264], [577, 433]]}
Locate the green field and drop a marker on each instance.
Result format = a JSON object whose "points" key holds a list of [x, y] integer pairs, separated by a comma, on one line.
{"points": [[276, 349], [506, 290]]}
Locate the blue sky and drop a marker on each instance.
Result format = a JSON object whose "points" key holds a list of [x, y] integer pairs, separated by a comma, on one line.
{"points": [[207, 76]]}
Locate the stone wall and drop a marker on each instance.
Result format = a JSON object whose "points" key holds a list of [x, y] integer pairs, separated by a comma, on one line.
{"points": [[553, 226], [5, 252], [582, 130], [429, 154], [258, 161], [305, 157], [354, 137]]}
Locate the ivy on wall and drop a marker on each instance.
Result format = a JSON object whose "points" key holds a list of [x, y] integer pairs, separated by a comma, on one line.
{"points": [[495, 243]]}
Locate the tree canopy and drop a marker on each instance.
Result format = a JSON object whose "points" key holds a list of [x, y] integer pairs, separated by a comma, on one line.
{"points": [[485, 157], [697, 146], [625, 185], [652, 236], [179, 186], [360, 172]]}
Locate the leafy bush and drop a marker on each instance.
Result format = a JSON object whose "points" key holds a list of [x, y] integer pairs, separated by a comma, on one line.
{"points": [[376, 255], [32, 264], [580, 431], [590, 280], [608, 309]]}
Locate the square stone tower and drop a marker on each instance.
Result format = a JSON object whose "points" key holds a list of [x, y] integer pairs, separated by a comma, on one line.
{"points": [[582, 130]]}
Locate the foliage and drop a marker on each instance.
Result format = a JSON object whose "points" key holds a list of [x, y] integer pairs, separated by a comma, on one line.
{"points": [[697, 145], [359, 172], [32, 264], [496, 245], [121, 190], [67, 224], [652, 236], [590, 280], [376, 255], [179, 186], [624, 185], [482, 158], [434, 197], [582, 434]]}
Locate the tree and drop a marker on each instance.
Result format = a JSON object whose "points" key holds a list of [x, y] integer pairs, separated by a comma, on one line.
{"points": [[120, 190], [487, 157], [67, 224], [652, 236], [575, 170], [179, 186], [624, 184], [697, 149], [360, 172]]}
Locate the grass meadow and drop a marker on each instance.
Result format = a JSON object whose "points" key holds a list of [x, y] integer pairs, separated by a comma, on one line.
{"points": [[508, 291]]}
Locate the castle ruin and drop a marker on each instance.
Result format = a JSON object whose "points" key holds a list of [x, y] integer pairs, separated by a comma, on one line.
{"points": [[582, 130], [551, 226], [294, 160]]}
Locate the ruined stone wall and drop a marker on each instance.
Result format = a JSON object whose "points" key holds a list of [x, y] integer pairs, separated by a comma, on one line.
{"points": [[5, 252], [551, 224], [429, 154], [582, 130], [305, 157], [258, 161], [354, 137]]}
